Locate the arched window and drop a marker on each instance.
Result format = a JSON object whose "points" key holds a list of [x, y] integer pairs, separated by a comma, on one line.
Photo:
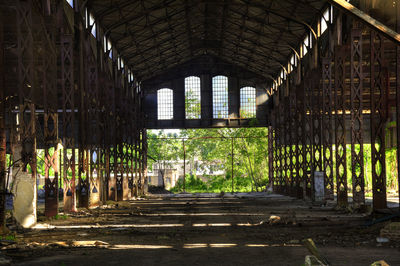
{"points": [[220, 96], [192, 98], [71, 2], [165, 104], [247, 102]]}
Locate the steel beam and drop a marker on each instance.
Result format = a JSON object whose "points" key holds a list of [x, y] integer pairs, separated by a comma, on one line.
{"points": [[341, 53], [308, 137], [68, 130], [316, 119], [3, 138], [367, 19], [379, 96], [356, 105], [398, 96], [327, 130], [300, 150]]}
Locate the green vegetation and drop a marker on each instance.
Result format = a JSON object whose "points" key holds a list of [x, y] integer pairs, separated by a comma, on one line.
{"points": [[8, 237], [211, 149], [60, 217]]}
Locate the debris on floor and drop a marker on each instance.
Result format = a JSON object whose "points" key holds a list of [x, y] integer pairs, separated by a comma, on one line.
{"points": [[391, 231]]}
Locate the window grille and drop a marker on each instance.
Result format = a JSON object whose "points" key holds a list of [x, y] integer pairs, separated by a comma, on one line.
{"points": [[192, 98], [165, 104], [247, 102], [220, 97]]}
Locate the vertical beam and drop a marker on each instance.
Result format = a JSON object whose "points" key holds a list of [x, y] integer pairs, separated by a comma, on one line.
{"points": [[48, 56], [270, 158], [294, 182], [316, 117], [93, 137], [51, 163], [68, 108], [3, 139], [24, 50], [378, 119], [308, 137], [356, 102], [184, 165], [300, 146], [327, 131], [287, 147], [278, 136], [398, 96], [340, 124], [232, 165]]}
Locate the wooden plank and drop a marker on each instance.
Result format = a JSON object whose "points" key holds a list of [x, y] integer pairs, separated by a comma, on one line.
{"points": [[367, 19]]}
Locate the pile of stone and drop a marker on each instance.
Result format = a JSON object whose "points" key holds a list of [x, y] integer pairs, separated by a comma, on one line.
{"points": [[391, 231]]}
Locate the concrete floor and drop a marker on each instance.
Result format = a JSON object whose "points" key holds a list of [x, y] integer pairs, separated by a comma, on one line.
{"points": [[203, 229]]}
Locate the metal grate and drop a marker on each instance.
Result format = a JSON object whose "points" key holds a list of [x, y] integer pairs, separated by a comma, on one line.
{"points": [[247, 102], [192, 98], [220, 96], [165, 104]]}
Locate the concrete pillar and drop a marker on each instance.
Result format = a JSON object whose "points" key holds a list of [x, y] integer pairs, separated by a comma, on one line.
{"points": [[206, 99], [233, 97], [178, 86]]}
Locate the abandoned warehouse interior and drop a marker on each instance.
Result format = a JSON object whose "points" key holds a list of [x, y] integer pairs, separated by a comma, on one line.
{"points": [[84, 81]]}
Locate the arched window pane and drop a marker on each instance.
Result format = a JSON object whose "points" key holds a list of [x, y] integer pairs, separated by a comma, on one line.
{"points": [[165, 104], [71, 2], [247, 102], [192, 98], [220, 96]]}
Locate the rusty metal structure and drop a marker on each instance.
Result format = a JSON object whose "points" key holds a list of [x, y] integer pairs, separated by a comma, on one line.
{"points": [[79, 80]]}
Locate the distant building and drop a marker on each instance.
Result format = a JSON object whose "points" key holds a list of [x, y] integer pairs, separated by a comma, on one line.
{"points": [[174, 172]]}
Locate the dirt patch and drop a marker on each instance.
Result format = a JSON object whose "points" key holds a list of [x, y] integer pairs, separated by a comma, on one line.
{"points": [[201, 230]]}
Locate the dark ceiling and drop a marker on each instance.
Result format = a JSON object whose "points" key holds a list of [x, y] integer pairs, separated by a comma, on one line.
{"points": [[154, 35]]}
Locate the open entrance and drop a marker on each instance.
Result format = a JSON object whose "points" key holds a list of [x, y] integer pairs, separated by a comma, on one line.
{"points": [[208, 160]]}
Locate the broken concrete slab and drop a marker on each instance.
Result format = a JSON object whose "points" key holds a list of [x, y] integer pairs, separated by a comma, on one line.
{"points": [[24, 205]]}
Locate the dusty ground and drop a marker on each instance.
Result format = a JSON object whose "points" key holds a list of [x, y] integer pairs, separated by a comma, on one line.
{"points": [[203, 230]]}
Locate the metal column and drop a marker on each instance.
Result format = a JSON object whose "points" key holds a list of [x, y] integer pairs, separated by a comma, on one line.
{"points": [[356, 102], [340, 124], [327, 130], [379, 77]]}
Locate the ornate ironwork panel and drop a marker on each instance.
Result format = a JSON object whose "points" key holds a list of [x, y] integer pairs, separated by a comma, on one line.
{"points": [[356, 104], [308, 137], [68, 121], [300, 138], [26, 84], [327, 130], [341, 53], [379, 77]]}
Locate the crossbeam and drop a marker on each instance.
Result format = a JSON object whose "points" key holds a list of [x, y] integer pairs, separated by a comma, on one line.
{"points": [[367, 19]]}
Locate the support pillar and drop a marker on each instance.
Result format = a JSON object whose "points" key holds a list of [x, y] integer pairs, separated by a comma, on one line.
{"points": [[270, 158], [356, 102], [398, 97], [24, 141], [308, 138], [51, 164], [300, 146], [379, 103], [68, 115], [340, 124], [3, 138], [327, 130]]}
